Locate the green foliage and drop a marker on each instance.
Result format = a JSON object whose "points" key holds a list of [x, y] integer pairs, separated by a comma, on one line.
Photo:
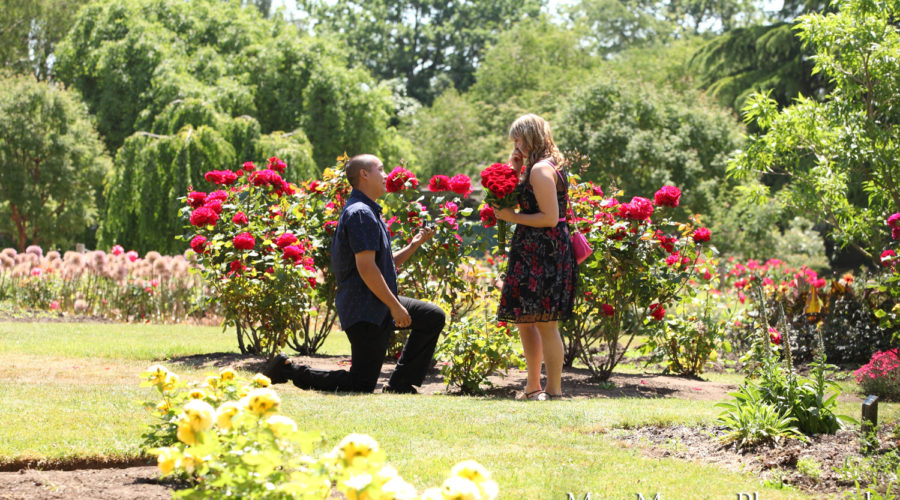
{"points": [[52, 164], [429, 44], [767, 58], [691, 339], [838, 154], [875, 476], [474, 347], [639, 138], [752, 420], [29, 32]]}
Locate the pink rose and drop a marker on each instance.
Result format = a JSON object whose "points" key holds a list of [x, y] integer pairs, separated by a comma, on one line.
{"points": [[285, 240], [461, 184], [198, 244], [701, 235], [204, 216], [240, 219], [292, 253]]}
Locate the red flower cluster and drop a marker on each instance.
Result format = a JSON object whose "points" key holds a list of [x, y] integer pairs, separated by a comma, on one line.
{"points": [[397, 179], [657, 311], [276, 164], [249, 166], [285, 240], [608, 310], [240, 219], [488, 217], [638, 209], [888, 258], [196, 198], [198, 244], [667, 196], [221, 177], [244, 241], [292, 253], [439, 183], [204, 216], [461, 184], [701, 235], [667, 242], [894, 223], [500, 180]]}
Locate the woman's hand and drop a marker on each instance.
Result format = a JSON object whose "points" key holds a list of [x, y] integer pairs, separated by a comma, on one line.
{"points": [[507, 214], [516, 158]]}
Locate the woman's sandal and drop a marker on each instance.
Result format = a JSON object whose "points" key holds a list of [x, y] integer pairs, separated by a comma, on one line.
{"points": [[537, 395]]}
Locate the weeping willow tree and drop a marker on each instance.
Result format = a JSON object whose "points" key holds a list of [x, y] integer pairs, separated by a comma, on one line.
{"points": [[153, 169]]}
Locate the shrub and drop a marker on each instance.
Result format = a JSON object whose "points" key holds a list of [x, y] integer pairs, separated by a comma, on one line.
{"points": [[881, 375], [751, 421], [226, 437], [474, 347]]}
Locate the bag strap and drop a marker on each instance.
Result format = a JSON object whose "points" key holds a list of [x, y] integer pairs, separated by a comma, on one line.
{"points": [[568, 198]]}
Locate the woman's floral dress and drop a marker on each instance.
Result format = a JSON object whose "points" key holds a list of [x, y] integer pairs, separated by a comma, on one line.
{"points": [[540, 274]]}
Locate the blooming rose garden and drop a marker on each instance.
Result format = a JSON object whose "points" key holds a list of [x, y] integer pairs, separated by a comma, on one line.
{"points": [[796, 350]]}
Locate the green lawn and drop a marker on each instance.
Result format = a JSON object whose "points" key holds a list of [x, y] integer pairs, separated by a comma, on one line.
{"points": [[70, 390]]}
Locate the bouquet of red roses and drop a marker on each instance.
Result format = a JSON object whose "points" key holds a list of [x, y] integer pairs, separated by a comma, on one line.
{"points": [[500, 181]]}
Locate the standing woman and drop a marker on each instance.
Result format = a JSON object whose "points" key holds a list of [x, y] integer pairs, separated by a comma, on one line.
{"points": [[539, 288]]}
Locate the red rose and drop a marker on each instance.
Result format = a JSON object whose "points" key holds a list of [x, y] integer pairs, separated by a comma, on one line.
{"points": [[285, 240], [439, 183], [266, 177], [196, 198], [461, 184], [672, 259], [249, 166], [217, 195], [887, 257], [608, 310], [330, 226], [237, 266], [244, 241], [224, 177], [894, 220], [667, 196], [895, 233], [198, 244], [276, 164], [499, 179], [397, 179], [638, 209], [657, 312], [701, 235], [488, 217], [240, 219], [213, 204], [204, 216], [292, 252]]}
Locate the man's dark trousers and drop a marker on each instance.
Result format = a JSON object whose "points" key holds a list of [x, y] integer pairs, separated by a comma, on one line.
{"points": [[368, 345]]}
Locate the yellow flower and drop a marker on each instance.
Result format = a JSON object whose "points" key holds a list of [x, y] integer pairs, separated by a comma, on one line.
{"points": [[356, 445], [185, 434], [471, 470], [156, 374], [262, 401], [460, 488], [197, 394], [162, 407], [281, 425], [211, 382], [191, 462], [242, 392], [199, 415], [169, 383], [261, 380], [167, 460], [225, 413], [354, 486], [398, 489], [227, 374]]}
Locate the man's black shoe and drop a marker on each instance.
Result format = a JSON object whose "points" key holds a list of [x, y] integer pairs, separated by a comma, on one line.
{"points": [[278, 369], [399, 390]]}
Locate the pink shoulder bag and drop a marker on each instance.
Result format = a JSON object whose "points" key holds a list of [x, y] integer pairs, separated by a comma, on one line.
{"points": [[580, 246]]}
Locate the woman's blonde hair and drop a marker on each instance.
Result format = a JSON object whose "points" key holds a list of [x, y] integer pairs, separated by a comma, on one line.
{"points": [[535, 133]]}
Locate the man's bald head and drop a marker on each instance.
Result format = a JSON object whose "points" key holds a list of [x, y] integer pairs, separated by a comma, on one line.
{"points": [[358, 163]]}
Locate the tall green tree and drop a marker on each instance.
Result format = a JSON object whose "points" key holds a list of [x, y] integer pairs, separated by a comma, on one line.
{"points": [[30, 30], [52, 163], [639, 137], [840, 154], [427, 43]]}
